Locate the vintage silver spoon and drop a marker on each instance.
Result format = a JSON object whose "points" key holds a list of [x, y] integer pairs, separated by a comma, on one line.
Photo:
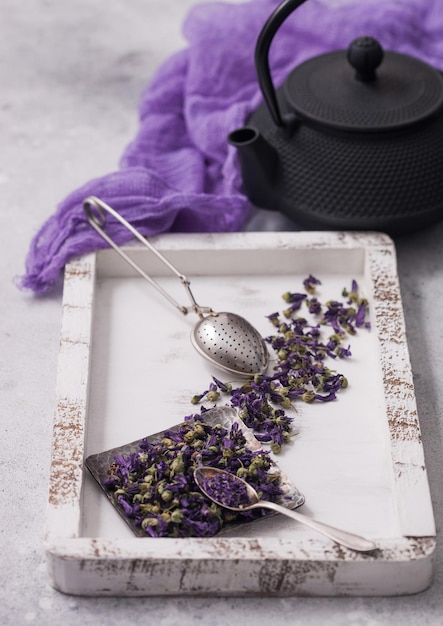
{"points": [[227, 340], [221, 492]]}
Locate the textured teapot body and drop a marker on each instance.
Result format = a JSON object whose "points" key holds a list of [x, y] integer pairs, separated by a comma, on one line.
{"points": [[328, 164], [324, 179]]}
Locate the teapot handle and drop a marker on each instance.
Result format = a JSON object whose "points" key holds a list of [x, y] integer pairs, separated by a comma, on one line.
{"points": [[262, 55]]}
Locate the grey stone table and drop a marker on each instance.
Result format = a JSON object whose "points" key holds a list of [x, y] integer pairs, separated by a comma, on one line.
{"points": [[57, 132]]}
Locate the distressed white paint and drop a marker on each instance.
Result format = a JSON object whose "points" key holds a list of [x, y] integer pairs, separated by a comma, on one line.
{"points": [[359, 460]]}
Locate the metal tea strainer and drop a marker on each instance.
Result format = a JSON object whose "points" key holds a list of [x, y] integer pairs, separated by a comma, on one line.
{"points": [[227, 340]]}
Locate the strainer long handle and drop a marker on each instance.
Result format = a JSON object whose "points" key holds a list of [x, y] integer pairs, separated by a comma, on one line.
{"points": [[95, 209]]}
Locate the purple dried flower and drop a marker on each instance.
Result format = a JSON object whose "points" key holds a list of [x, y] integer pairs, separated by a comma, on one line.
{"points": [[343, 352], [294, 298], [314, 306], [310, 283], [225, 387], [361, 314], [274, 318], [126, 507], [327, 398]]}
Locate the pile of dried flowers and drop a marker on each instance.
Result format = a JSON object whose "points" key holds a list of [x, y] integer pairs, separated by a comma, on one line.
{"points": [[301, 353], [226, 489], [156, 489]]}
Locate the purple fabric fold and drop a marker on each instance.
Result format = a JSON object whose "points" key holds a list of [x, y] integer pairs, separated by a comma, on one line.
{"points": [[179, 174]]}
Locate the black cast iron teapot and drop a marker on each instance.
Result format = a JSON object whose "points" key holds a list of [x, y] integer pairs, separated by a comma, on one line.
{"points": [[352, 140]]}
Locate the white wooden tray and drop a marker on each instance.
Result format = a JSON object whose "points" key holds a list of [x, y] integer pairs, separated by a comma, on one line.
{"points": [[127, 369]]}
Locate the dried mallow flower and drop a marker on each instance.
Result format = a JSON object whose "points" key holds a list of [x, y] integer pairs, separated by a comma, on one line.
{"points": [[310, 283]]}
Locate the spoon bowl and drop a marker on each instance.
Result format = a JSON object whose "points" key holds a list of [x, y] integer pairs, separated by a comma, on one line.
{"points": [[233, 493]]}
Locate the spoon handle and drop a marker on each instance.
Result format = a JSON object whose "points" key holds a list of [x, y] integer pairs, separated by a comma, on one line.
{"points": [[355, 542]]}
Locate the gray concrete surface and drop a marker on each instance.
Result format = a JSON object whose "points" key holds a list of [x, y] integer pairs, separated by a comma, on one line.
{"points": [[57, 131]]}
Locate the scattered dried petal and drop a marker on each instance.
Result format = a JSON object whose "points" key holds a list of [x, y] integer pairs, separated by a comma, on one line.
{"points": [[301, 372]]}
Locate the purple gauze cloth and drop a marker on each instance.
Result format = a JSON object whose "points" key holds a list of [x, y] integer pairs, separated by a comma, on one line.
{"points": [[179, 174]]}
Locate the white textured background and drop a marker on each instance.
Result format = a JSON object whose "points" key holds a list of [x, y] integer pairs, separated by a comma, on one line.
{"points": [[58, 130]]}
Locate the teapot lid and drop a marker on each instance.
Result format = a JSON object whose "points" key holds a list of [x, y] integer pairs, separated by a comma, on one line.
{"points": [[375, 91]]}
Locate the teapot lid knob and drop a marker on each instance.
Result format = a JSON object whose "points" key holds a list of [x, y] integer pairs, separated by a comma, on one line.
{"points": [[365, 54], [386, 90]]}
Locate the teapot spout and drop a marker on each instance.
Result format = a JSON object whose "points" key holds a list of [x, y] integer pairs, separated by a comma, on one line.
{"points": [[258, 164]]}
